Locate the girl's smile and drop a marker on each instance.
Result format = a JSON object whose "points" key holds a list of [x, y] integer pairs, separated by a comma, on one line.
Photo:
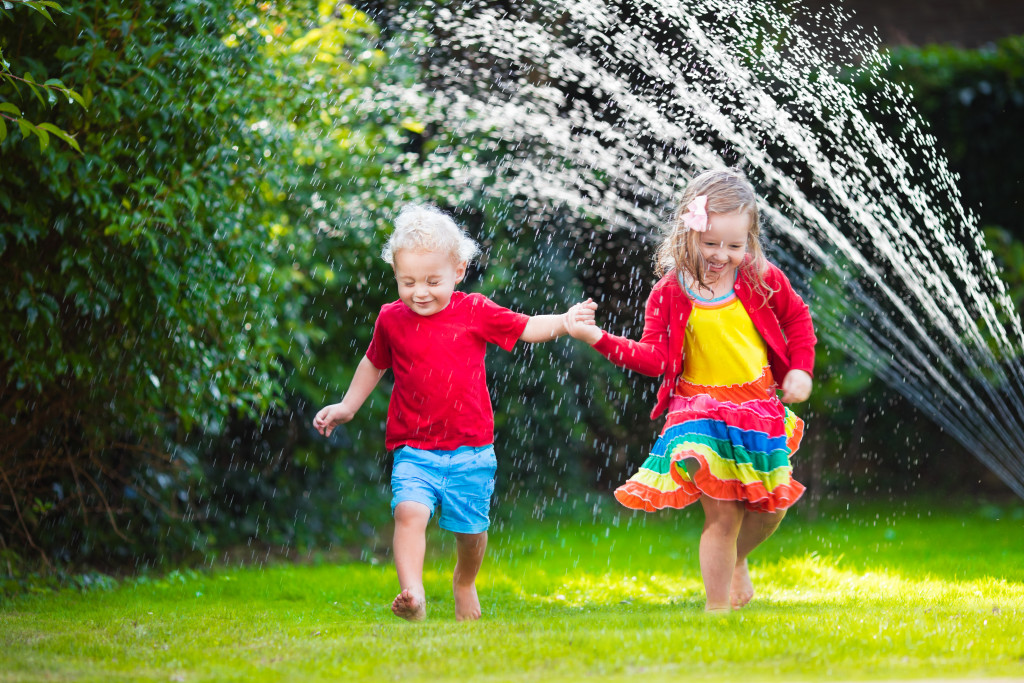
{"points": [[724, 245]]}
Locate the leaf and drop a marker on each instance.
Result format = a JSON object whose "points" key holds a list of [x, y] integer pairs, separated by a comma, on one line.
{"points": [[49, 127], [10, 107], [413, 126], [41, 8], [3, 130], [44, 137], [76, 97], [26, 127], [27, 77]]}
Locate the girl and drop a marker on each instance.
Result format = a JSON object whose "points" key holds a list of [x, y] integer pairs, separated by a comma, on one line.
{"points": [[722, 326]]}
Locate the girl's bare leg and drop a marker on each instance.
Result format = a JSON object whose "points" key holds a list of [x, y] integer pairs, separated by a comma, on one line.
{"points": [[722, 521], [470, 549], [755, 529], [410, 544]]}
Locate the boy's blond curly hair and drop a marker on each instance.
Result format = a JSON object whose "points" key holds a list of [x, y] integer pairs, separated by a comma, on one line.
{"points": [[422, 227]]}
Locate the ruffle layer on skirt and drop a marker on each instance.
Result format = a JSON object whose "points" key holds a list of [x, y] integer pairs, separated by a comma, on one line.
{"points": [[725, 450]]}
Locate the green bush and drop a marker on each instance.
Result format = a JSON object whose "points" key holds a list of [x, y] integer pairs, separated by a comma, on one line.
{"points": [[159, 284]]}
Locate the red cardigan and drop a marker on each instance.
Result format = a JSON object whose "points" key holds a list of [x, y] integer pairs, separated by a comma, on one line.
{"points": [[784, 324]]}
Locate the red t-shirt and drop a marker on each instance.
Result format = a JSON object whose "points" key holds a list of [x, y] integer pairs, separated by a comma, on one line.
{"points": [[440, 398]]}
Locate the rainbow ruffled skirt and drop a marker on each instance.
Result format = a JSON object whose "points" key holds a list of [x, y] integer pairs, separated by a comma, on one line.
{"points": [[729, 443]]}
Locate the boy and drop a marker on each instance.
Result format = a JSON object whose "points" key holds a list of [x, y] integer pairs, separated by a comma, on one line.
{"points": [[440, 422]]}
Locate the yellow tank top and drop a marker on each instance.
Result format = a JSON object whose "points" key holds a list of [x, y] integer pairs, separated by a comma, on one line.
{"points": [[722, 347]]}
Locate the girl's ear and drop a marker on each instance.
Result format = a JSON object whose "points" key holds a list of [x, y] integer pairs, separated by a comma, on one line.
{"points": [[460, 271]]}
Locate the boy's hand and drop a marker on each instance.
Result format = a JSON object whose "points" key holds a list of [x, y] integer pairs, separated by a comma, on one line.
{"points": [[582, 312], [796, 386], [331, 416], [580, 322]]}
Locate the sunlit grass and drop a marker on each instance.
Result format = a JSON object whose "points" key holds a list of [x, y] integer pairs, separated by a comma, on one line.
{"points": [[879, 594]]}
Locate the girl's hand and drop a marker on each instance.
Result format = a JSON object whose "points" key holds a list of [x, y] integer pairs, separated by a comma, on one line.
{"points": [[580, 322], [796, 386], [331, 416]]}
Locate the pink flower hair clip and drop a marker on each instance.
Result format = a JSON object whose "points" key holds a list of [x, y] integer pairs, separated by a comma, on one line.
{"points": [[696, 215]]}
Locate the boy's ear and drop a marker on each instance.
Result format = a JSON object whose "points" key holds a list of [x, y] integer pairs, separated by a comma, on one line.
{"points": [[460, 272]]}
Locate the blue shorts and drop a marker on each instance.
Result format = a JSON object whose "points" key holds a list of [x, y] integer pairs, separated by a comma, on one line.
{"points": [[461, 482]]}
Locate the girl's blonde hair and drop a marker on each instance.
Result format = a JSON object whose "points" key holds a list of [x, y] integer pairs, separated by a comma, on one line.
{"points": [[422, 227], [728, 191]]}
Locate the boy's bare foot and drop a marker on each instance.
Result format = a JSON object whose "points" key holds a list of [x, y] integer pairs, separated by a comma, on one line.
{"points": [[742, 590], [409, 606], [708, 609], [467, 605]]}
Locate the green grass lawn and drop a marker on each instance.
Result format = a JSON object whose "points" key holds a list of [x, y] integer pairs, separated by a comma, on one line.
{"points": [[861, 593]]}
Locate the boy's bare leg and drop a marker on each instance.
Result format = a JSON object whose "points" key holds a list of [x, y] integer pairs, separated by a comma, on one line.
{"points": [[722, 520], [470, 549], [756, 528], [410, 544]]}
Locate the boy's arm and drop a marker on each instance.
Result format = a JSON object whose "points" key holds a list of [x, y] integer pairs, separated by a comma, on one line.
{"points": [[542, 328], [365, 379]]}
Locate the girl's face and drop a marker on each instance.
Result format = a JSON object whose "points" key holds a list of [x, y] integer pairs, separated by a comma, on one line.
{"points": [[724, 244], [426, 279]]}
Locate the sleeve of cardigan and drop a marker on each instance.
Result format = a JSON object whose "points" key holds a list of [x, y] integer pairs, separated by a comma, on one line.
{"points": [[795, 319], [649, 356]]}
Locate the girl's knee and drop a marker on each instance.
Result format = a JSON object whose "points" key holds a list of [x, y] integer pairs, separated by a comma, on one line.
{"points": [[727, 525], [768, 519]]}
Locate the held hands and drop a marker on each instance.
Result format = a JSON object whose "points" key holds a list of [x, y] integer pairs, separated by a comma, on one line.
{"points": [[331, 416], [796, 386], [580, 322]]}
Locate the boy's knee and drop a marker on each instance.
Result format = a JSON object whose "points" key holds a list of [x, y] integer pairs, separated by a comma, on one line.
{"points": [[411, 512], [471, 542]]}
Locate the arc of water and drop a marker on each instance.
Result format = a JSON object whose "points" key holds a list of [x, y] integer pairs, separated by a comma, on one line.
{"points": [[935, 343]]}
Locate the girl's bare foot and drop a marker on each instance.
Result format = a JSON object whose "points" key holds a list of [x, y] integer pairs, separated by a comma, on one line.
{"points": [[742, 590], [408, 606], [467, 605]]}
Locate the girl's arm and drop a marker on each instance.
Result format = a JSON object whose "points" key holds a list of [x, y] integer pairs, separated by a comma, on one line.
{"points": [[542, 328], [649, 356], [363, 382], [795, 320]]}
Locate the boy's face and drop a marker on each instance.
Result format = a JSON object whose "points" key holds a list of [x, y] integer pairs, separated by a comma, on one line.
{"points": [[426, 279]]}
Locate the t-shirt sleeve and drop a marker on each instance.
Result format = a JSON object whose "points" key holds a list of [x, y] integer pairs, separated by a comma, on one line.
{"points": [[497, 324], [379, 352]]}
